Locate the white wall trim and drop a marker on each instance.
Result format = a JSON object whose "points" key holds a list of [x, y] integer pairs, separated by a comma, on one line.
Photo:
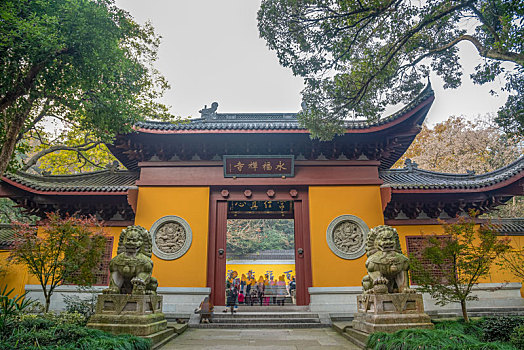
{"points": [[343, 299]]}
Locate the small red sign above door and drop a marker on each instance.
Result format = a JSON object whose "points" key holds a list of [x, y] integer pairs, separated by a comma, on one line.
{"points": [[259, 166]]}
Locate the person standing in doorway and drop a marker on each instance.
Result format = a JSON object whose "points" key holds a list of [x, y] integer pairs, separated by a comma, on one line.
{"points": [[232, 294], [293, 290]]}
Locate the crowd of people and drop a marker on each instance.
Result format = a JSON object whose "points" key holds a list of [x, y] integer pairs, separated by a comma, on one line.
{"points": [[247, 290]]}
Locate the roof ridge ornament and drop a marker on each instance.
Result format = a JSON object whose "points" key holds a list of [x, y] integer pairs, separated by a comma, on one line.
{"points": [[113, 166], [209, 113], [410, 165]]}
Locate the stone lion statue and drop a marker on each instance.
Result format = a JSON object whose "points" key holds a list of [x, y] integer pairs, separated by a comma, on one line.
{"points": [[131, 268], [387, 266]]}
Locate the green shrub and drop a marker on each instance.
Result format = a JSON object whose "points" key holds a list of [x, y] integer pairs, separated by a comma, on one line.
{"points": [[473, 328], [517, 337], [500, 328], [85, 306], [72, 318], [11, 307], [431, 339], [53, 332]]}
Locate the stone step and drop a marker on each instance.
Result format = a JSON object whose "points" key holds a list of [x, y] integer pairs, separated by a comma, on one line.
{"points": [[265, 320], [478, 312], [260, 325], [346, 330], [480, 309], [341, 316], [266, 315], [159, 339], [276, 308], [443, 315], [488, 314]]}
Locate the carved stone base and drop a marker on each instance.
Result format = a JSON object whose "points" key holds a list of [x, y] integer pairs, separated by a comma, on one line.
{"points": [[139, 315], [390, 312]]}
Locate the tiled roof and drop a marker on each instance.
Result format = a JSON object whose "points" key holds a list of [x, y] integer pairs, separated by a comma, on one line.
{"points": [[98, 181], [509, 226], [266, 255], [268, 121], [6, 236], [410, 177]]}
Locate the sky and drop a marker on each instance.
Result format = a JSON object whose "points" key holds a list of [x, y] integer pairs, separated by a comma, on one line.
{"points": [[211, 51]]}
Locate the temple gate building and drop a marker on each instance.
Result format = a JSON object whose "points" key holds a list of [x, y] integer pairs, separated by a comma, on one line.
{"points": [[184, 181]]}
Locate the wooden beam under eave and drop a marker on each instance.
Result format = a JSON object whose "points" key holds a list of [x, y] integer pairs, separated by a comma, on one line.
{"points": [[385, 196], [8, 191], [132, 197]]}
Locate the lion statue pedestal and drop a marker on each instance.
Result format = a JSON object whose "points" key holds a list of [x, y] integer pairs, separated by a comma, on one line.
{"points": [[388, 304], [130, 304]]}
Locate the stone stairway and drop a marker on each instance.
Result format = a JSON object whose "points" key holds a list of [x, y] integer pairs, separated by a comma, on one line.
{"points": [[264, 317], [479, 312]]}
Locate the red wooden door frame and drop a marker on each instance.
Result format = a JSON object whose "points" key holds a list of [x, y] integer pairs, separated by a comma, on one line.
{"points": [[216, 263]]}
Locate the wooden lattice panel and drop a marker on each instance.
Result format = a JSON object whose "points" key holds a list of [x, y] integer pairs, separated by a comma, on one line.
{"points": [[415, 246], [102, 272]]}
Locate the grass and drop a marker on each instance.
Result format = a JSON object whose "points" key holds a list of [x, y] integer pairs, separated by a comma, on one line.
{"points": [[447, 335], [42, 334]]}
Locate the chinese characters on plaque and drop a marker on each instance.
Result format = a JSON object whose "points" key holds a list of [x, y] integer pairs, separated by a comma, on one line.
{"points": [[259, 166], [259, 207]]}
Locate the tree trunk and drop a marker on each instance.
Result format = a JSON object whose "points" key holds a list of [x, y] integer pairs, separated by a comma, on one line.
{"points": [[47, 302], [464, 311], [8, 147]]}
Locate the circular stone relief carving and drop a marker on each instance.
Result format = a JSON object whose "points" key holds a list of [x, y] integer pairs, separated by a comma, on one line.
{"points": [[171, 237], [346, 236]]}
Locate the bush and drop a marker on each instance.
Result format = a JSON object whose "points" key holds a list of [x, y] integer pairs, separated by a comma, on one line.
{"points": [[84, 306], [500, 328], [517, 337], [54, 332], [11, 306], [447, 335], [473, 327], [71, 318]]}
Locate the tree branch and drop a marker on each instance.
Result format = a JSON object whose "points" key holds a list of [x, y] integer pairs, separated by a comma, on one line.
{"points": [[28, 81], [483, 51], [360, 93], [482, 19], [42, 114], [80, 148]]}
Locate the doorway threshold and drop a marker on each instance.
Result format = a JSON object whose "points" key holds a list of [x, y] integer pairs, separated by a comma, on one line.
{"points": [[273, 309]]}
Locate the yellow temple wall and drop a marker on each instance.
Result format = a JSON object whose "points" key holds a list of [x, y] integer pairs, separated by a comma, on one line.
{"points": [[191, 204], [325, 204], [497, 274], [15, 275], [111, 231], [261, 269]]}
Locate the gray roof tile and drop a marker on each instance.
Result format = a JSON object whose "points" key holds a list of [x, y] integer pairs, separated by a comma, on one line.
{"points": [[6, 236], [414, 178], [514, 226], [98, 181], [268, 121], [288, 254]]}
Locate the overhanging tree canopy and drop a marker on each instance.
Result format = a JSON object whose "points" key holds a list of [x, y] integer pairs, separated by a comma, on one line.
{"points": [[85, 61], [359, 55]]}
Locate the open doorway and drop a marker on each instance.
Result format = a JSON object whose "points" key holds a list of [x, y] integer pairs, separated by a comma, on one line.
{"points": [[260, 261], [256, 203]]}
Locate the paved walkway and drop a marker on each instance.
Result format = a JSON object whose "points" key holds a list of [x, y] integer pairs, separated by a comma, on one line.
{"points": [[286, 339]]}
